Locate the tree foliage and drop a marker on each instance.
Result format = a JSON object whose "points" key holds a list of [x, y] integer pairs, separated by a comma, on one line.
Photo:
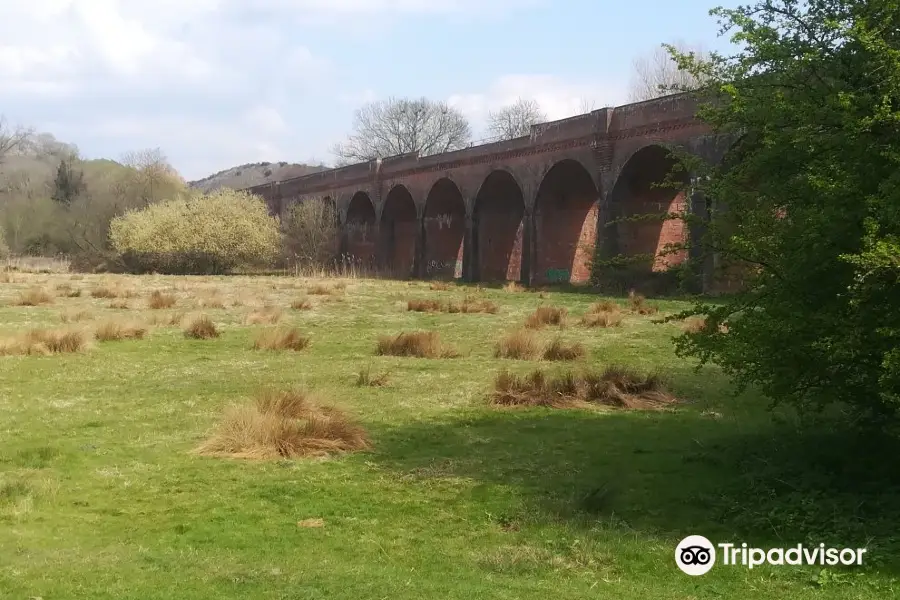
{"points": [[203, 233], [402, 125], [516, 119], [810, 199], [311, 233]]}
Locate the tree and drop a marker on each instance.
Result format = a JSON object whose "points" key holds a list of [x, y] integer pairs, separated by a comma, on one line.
{"points": [[657, 73], [152, 177], [12, 140], [69, 182], [311, 233], [401, 125], [812, 187], [516, 119]]}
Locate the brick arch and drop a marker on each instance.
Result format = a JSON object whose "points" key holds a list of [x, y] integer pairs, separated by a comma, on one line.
{"points": [[638, 191], [499, 231], [444, 227], [565, 222], [397, 227], [360, 228]]}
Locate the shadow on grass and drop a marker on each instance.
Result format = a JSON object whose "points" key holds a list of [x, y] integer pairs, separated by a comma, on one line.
{"points": [[672, 475]]}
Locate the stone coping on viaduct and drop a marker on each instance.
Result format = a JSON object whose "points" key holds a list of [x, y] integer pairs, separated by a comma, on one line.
{"points": [[532, 208]]}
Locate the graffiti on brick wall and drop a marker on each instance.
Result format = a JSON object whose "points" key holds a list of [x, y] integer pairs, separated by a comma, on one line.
{"points": [[442, 221], [359, 230], [558, 275], [444, 266]]}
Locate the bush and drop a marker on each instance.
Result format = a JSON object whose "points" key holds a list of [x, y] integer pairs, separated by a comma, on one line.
{"points": [[203, 234], [311, 233], [4, 248]]}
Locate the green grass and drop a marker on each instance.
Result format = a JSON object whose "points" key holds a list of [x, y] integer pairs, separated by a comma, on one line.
{"points": [[100, 498]]}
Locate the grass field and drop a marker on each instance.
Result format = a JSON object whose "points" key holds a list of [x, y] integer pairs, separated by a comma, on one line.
{"points": [[101, 496]]}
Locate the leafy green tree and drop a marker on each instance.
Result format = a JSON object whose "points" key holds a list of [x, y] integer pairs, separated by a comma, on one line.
{"points": [[810, 202]]}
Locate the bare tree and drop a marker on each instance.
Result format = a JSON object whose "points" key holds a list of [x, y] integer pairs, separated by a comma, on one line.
{"points": [[586, 105], [13, 140], [401, 125], [656, 74], [311, 233], [516, 119], [152, 175]]}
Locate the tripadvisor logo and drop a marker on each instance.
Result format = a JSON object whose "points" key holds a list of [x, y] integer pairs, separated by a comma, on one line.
{"points": [[696, 555]]}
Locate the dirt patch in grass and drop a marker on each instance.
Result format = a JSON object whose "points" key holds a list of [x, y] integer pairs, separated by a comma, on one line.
{"points": [[201, 328], [34, 296], [45, 342], [112, 331], [559, 350], [547, 315], [281, 338], [518, 345], [615, 387], [288, 424], [418, 344]]}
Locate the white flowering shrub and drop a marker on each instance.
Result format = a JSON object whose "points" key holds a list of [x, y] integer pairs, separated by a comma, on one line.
{"points": [[201, 234]]}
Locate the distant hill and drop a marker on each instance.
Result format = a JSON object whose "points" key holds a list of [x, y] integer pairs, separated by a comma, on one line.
{"points": [[251, 174]]}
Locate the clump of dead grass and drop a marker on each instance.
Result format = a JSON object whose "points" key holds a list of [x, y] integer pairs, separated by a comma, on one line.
{"points": [[111, 291], [75, 316], [604, 306], [440, 286], [365, 378], [173, 319], [513, 287], [418, 344], [602, 319], [45, 342], [559, 350], [201, 327], [120, 304], [281, 338], [159, 300], [547, 315], [212, 302], [518, 345], [425, 305], [472, 305], [699, 324], [113, 331], [34, 296], [302, 303], [638, 304], [615, 387], [286, 424], [267, 315], [325, 289]]}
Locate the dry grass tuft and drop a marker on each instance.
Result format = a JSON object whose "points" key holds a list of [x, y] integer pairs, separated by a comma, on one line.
{"points": [[471, 305], [65, 288], [638, 304], [159, 300], [365, 378], [604, 306], [213, 302], [518, 345], [323, 289], [616, 387], [268, 315], [303, 303], [120, 304], [34, 296], [699, 324], [560, 350], [201, 328], [419, 344], [113, 331], [425, 306], [287, 424], [75, 316], [547, 315], [108, 291], [45, 342], [288, 338], [513, 286], [440, 286], [602, 319], [173, 319]]}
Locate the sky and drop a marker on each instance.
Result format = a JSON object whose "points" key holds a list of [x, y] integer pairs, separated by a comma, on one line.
{"points": [[227, 82]]}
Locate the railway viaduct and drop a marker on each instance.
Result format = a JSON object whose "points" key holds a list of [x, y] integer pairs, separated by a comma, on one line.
{"points": [[533, 209]]}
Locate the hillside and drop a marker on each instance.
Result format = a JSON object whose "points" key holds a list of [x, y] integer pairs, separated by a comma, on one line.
{"points": [[248, 175]]}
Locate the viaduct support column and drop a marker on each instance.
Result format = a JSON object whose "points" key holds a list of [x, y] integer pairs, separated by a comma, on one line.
{"points": [[529, 247], [703, 259], [420, 269], [470, 251]]}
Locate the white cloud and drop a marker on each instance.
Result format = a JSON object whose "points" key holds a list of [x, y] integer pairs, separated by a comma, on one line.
{"points": [[557, 97]]}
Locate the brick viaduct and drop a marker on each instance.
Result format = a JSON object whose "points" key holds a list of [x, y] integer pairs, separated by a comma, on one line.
{"points": [[531, 209]]}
